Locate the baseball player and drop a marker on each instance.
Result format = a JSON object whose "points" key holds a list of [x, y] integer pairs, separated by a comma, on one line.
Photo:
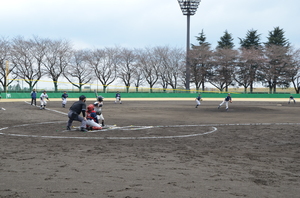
{"points": [[226, 100], [97, 106], [92, 122], [74, 111], [292, 98], [198, 99], [118, 97], [43, 100], [64, 99]]}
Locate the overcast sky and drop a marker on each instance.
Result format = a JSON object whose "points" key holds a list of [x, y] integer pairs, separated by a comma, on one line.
{"points": [[145, 23]]}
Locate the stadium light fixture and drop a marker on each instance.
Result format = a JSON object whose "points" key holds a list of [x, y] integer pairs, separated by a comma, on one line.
{"points": [[188, 8]]}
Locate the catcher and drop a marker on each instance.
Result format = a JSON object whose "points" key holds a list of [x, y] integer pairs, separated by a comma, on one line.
{"points": [[226, 100], [97, 106], [198, 99], [92, 120]]}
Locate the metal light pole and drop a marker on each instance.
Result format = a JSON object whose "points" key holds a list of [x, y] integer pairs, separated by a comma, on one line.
{"points": [[188, 8]]}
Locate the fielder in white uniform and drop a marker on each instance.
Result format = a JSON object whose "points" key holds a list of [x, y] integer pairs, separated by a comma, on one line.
{"points": [[43, 99]]}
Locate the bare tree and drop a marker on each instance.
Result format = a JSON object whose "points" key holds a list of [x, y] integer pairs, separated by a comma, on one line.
{"points": [[126, 66], [79, 72], [104, 63], [137, 75], [222, 71], [172, 66], [162, 53], [5, 50], [56, 59], [294, 72], [27, 56], [38, 51], [150, 65], [274, 72], [200, 61], [163, 77], [245, 72]]}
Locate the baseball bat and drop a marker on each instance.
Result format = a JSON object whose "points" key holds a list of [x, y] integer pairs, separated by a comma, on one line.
{"points": [[96, 94]]}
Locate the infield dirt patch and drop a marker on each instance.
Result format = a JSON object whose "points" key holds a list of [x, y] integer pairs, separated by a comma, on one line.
{"points": [[253, 151]]}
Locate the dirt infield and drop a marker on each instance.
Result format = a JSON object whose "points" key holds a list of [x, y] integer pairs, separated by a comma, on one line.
{"points": [[153, 149]]}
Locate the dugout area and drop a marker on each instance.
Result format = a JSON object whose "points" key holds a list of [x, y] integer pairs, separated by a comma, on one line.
{"points": [[152, 149]]}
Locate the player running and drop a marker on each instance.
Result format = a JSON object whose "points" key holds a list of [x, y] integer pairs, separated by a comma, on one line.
{"points": [[43, 99], [97, 106], [198, 99], [226, 100]]}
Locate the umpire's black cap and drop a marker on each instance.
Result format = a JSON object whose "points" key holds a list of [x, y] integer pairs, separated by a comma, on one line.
{"points": [[82, 97]]}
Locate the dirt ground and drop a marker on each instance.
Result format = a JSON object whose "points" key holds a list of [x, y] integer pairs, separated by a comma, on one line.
{"points": [[159, 149]]}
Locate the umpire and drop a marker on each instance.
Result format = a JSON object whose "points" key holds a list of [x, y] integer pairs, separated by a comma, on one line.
{"points": [[77, 108]]}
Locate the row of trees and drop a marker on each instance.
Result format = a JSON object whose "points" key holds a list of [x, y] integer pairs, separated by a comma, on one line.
{"points": [[273, 64], [32, 59]]}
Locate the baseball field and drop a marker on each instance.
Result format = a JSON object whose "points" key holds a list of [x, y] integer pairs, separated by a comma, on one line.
{"points": [[152, 148]]}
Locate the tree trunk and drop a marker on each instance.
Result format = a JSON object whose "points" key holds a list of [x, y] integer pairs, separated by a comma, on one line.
{"points": [[151, 88], [203, 86], [55, 86], [104, 88]]}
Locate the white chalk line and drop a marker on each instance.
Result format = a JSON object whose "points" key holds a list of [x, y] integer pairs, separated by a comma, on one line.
{"points": [[141, 127], [111, 128], [214, 129], [114, 138], [49, 109]]}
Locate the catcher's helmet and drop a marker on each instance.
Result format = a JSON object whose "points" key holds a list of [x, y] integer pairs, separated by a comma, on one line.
{"points": [[82, 97], [100, 98], [90, 107]]}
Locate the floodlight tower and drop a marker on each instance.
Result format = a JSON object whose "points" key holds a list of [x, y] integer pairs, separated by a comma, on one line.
{"points": [[188, 8]]}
